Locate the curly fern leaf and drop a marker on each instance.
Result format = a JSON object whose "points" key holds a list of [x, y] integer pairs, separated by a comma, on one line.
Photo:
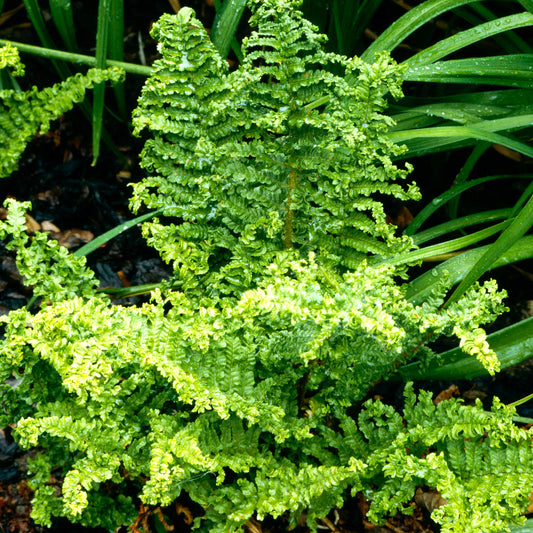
{"points": [[10, 58], [23, 114], [252, 163], [51, 269]]}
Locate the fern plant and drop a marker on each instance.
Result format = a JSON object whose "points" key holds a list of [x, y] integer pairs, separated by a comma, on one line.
{"points": [[25, 113], [253, 164], [244, 383]]}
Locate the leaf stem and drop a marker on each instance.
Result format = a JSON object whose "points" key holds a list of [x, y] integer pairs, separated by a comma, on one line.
{"points": [[289, 220], [81, 59]]}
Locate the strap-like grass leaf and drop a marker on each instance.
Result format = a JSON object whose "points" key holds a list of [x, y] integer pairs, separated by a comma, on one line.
{"points": [[37, 21], [458, 267], [511, 70], [447, 247], [509, 42], [225, 25], [459, 223], [61, 11], [408, 23], [512, 344], [349, 21], [102, 33], [447, 46], [516, 229], [445, 197], [69, 57], [479, 149], [34, 13], [114, 232], [527, 4], [116, 48], [442, 136]]}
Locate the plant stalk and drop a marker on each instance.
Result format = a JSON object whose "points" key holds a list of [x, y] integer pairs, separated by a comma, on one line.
{"points": [[79, 59], [289, 220]]}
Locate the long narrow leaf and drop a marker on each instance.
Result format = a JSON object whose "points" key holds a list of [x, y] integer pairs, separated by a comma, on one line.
{"points": [[61, 11], [355, 18], [458, 267], [518, 227], [225, 25], [116, 49], [459, 223], [513, 345], [102, 33], [112, 233], [509, 98], [69, 57], [408, 23], [510, 70], [447, 247], [527, 4], [447, 46], [509, 42], [478, 151], [37, 21], [453, 134], [448, 195], [34, 13]]}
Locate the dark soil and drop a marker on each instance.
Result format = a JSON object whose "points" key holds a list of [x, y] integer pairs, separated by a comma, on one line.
{"points": [[83, 201]]}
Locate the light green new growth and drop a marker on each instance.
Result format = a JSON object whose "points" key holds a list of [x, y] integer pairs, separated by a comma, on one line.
{"points": [[23, 114], [9, 57], [49, 268], [247, 388]]}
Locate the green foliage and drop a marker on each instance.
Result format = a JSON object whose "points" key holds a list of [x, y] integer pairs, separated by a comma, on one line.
{"points": [[9, 57], [252, 164], [245, 383], [23, 114], [181, 396], [48, 267]]}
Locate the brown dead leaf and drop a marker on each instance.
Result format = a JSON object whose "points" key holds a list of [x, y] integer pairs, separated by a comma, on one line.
{"points": [[162, 520], [473, 394], [125, 281], [429, 500], [123, 175], [31, 224], [450, 392], [50, 197], [46, 225], [402, 219], [74, 237], [8, 14], [176, 6], [507, 152], [181, 510], [253, 526]]}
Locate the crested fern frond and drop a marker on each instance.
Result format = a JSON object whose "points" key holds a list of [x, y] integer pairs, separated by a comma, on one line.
{"points": [[236, 150], [23, 114]]}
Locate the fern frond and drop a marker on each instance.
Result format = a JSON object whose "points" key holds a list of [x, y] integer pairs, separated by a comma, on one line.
{"points": [[23, 114], [242, 156], [10, 58]]}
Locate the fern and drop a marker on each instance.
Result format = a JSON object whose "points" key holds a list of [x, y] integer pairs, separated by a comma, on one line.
{"points": [[254, 162], [245, 384], [23, 114]]}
